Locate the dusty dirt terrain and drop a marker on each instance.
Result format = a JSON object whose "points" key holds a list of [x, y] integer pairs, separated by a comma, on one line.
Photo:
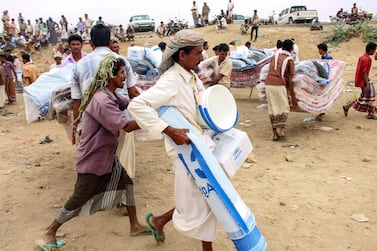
{"points": [[303, 191]]}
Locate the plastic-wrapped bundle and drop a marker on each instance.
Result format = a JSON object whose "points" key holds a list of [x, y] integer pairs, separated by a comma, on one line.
{"points": [[229, 208], [154, 55], [257, 55], [206, 70], [18, 85], [315, 70], [264, 72], [38, 94], [152, 73], [144, 82], [261, 91], [61, 102], [315, 97], [249, 77], [242, 64], [137, 52], [318, 103], [140, 66]]}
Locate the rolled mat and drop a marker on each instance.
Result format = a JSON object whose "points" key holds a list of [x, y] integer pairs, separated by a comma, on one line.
{"points": [[236, 218]]}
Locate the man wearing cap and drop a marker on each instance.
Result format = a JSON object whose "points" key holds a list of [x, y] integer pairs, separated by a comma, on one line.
{"points": [[178, 86], [58, 60]]}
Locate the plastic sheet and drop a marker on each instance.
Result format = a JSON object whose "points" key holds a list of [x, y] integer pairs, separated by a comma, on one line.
{"points": [[38, 94]]}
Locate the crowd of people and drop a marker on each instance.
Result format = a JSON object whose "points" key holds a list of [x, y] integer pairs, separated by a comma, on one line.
{"points": [[43, 32], [201, 19]]}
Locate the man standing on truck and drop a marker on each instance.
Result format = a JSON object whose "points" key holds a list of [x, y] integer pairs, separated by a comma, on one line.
{"points": [[354, 12], [230, 9]]}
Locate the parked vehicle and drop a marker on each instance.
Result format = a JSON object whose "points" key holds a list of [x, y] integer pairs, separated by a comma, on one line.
{"points": [[296, 14], [142, 23], [239, 19], [270, 20]]}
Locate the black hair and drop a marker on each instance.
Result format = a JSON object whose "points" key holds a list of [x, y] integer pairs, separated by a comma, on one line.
{"points": [[186, 50], [215, 48], [74, 37], [279, 44], [119, 62], [100, 35], [205, 43], [162, 45], [223, 47], [26, 57], [247, 44], [370, 47], [322, 46], [287, 45]]}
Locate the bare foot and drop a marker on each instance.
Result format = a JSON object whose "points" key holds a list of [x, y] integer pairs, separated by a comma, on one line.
{"points": [[158, 229], [124, 211], [140, 230], [50, 239], [275, 137]]}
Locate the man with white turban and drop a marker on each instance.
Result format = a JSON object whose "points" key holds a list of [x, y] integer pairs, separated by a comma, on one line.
{"points": [[178, 86]]}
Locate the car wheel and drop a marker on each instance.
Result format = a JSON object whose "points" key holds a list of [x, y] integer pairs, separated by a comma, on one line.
{"points": [[290, 20]]}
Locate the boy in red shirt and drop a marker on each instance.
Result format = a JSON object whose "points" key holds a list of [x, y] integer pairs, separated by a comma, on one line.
{"points": [[365, 103]]}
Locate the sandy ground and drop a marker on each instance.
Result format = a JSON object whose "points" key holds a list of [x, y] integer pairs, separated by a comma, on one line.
{"points": [[304, 191]]}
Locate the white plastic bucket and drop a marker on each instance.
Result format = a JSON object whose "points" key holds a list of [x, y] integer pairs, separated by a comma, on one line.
{"points": [[218, 108]]}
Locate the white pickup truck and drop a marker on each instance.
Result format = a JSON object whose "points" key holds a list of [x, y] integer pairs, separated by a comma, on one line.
{"points": [[297, 14]]}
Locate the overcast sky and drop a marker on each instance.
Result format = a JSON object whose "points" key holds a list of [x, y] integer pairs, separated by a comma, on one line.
{"points": [[119, 12]]}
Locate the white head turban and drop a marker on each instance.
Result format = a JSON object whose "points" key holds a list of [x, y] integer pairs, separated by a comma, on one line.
{"points": [[180, 40]]}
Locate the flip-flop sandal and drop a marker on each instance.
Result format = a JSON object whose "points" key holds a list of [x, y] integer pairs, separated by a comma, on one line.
{"points": [[145, 231], [46, 246], [157, 236]]}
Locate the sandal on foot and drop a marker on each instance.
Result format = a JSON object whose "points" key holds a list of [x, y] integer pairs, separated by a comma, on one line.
{"points": [[46, 246], [157, 236], [275, 138], [345, 110], [373, 116], [144, 231]]}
